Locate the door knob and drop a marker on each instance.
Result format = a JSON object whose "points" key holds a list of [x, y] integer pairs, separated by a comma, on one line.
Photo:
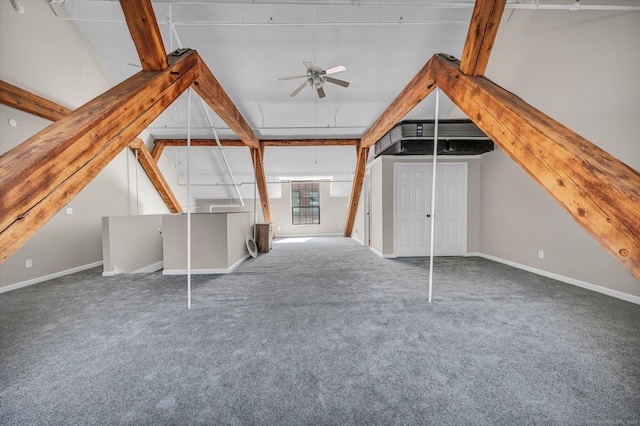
{"points": [[428, 215]]}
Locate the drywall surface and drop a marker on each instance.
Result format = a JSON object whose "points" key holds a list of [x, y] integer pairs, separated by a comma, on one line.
{"points": [[216, 241], [582, 70], [377, 236], [519, 221], [239, 225], [50, 58], [131, 243]]}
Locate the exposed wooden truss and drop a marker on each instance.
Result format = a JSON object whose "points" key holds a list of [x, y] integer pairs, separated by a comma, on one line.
{"points": [[44, 108], [600, 192], [145, 33], [214, 95], [58, 156], [23, 100], [356, 188], [266, 142], [481, 35], [257, 155], [155, 175], [417, 89]]}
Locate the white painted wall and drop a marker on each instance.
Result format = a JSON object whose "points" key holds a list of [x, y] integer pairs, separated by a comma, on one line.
{"points": [[132, 244], [581, 69], [50, 58]]}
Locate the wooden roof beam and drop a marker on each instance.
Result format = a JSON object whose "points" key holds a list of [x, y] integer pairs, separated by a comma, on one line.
{"points": [[28, 102], [600, 192], [483, 29], [149, 166], [214, 95], [267, 142], [145, 33], [34, 104], [417, 89], [62, 158], [261, 181], [356, 189]]}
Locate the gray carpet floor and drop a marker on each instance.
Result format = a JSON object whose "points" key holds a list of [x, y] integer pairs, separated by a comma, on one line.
{"points": [[320, 332]]}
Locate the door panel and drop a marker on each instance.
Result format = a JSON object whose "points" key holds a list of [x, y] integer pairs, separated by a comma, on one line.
{"points": [[413, 205]]}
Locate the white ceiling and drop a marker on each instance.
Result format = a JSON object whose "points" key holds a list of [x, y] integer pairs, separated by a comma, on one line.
{"points": [[249, 44]]}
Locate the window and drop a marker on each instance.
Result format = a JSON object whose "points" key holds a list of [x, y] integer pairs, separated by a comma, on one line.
{"points": [[305, 203]]}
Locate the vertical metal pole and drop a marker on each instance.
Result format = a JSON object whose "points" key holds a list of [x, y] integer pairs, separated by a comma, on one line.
{"points": [[433, 192], [189, 198], [137, 186], [255, 188]]}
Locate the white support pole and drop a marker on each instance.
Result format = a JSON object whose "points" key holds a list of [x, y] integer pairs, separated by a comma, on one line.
{"points": [[255, 195], [433, 192], [189, 198]]}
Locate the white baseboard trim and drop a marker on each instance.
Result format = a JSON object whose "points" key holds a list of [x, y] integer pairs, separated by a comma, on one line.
{"points": [[206, 271], [146, 270], [113, 272], [306, 235], [150, 268], [568, 280], [357, 240], [49, 277], [384, 256]]}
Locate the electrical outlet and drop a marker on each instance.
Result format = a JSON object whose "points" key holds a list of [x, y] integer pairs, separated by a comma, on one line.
{"points": [[541, 254], [28, 263], [69, 210]]}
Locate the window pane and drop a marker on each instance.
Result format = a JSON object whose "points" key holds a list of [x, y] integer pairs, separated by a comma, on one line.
{"points": [[305, 203]]}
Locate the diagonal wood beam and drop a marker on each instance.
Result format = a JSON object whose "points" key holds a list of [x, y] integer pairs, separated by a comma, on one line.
{"points": [[481, 35], [148, 164], [145, 33], [356, 189], [28, 102], [417, 89], [600, 192], [38, 175], [214, 95], [34, 104], [156, 152], [257, 160]]}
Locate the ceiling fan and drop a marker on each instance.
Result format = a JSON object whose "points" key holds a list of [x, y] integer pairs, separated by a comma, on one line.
{"points": [[316, 78]]}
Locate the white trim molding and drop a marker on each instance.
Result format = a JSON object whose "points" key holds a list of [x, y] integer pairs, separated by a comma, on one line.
{"points": [[384, 256], [206, 271], [568, 280], [49, 277]]}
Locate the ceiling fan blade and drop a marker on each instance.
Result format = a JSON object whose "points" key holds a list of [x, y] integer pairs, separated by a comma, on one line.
{"points": [[338, 82], [293, 77], [334, 70], [320, 92], [309, 65], [295, 92]]}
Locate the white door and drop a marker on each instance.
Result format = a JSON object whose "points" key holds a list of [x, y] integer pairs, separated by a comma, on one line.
{"points": [[412, 209]]}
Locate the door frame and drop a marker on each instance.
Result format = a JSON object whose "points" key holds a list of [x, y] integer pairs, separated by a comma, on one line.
{"points": [[440, 163]]}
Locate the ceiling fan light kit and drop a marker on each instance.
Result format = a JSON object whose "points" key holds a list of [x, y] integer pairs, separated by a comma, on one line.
{"points": [[316, 77]]}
